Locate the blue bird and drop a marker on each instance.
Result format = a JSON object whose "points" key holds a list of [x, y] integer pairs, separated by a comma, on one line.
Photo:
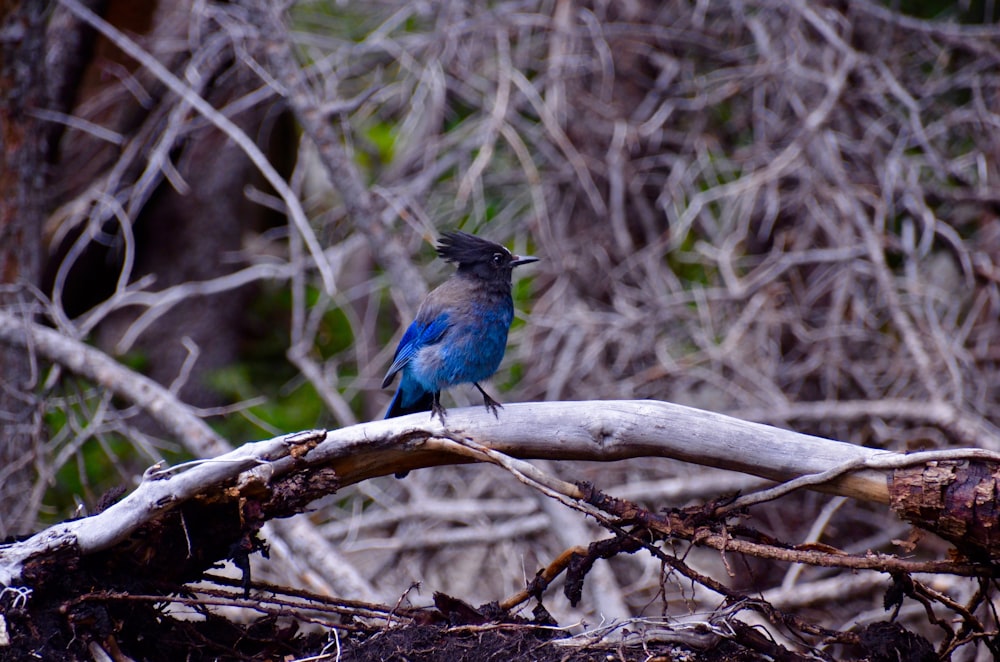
{"points": [[460, 333]]}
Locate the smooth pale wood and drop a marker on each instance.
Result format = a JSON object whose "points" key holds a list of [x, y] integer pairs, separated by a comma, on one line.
{"points": [[151, 498], [607, 430], [601, 431]]}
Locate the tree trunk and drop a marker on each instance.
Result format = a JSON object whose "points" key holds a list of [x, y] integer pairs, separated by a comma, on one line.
{"points": [[23, 147]]}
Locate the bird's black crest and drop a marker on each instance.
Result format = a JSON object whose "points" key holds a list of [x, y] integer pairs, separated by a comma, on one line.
{"points": [[465, 248]]}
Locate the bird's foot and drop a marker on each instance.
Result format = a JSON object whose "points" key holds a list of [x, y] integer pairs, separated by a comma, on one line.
{"points": [[491, 405], [437, 409]]}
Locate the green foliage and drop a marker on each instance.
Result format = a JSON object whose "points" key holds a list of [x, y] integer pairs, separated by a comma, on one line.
{"points": [[381, 141], [348, 21], [524, 294], [136, 360], [515, 372], [689, 265], [289, 402], [99, 462], [973, 11], [286, 407]]}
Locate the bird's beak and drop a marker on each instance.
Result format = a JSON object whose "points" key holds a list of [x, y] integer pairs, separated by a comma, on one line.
{"points": [[523, 259]]}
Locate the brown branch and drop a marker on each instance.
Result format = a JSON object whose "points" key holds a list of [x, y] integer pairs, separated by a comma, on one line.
{"points": [[543, 578], [688, 525]]}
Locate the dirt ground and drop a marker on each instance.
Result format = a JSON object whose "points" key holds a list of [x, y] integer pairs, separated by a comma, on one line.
{"points": [[155, 638], [132, 627]]}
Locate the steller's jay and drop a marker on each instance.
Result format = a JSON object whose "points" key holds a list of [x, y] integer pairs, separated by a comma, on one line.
{"points": [[460, 333]]}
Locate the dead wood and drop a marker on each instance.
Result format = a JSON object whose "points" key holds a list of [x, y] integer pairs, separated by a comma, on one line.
{"points": [[956, 499], [182, 521], [781, 211], [213, 509]]}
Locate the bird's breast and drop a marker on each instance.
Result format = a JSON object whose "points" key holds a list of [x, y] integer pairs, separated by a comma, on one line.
{"points": [[471, 350]]}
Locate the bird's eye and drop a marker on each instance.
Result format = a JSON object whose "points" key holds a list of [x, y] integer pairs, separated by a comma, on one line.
{"points": [[497, 259]]}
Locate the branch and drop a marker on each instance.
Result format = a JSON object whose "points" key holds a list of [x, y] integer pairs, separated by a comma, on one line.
{"points": [[221, 122], [169, 411], [283, 475], [161, 491], [176, 417], [287, 78]]}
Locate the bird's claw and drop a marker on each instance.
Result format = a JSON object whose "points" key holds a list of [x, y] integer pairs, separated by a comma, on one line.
{"points": [[492, 406], [439, 411]]}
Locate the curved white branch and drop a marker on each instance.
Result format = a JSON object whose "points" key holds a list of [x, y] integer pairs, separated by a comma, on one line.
{"points": [[598, 431]]}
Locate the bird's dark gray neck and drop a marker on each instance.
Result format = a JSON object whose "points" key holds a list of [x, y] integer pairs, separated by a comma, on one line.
{"points": [[498, 285]]}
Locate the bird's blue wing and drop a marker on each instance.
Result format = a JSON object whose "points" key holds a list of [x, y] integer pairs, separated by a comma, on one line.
{"points": [[418, 335]]}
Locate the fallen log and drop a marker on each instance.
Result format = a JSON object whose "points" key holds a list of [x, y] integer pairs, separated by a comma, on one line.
{"points": [[951, 493]]}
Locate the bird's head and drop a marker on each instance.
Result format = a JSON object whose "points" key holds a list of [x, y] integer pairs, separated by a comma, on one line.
{"points": [[480, 257]]}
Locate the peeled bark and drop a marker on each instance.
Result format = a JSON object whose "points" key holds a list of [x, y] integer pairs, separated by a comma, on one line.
{"points": [[956, 499]]}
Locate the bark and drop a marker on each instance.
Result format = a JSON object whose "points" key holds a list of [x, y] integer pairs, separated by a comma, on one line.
{"points": [[184, 230], [957, 499], [235, 493], [23, 145]]}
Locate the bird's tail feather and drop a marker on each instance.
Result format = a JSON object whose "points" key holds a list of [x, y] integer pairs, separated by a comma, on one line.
{"points": [[423, 402]]}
